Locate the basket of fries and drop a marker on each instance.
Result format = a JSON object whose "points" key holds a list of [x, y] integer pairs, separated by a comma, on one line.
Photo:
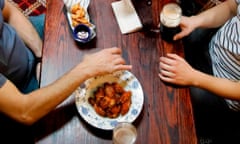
{"points": [[78, 16]]}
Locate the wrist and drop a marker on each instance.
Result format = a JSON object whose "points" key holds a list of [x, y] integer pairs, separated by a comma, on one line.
{"points": [[196, 78], [38, 59], [196, 22]]}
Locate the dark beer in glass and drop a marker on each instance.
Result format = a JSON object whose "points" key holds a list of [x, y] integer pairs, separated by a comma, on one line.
{"points": [[170, 18]]}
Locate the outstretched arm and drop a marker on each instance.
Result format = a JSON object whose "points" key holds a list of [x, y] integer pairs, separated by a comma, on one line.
{"points": [[31, 107], [211, 18], [218, 15], [174, 69]]}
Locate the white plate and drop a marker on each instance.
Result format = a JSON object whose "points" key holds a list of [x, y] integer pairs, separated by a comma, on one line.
{"points": [[125, 79], [84, 4]]}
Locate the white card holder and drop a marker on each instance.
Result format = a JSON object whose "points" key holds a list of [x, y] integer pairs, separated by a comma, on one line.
{"points": [[126, 16]]}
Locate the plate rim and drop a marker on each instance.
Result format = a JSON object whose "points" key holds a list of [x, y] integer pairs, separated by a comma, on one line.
{"points": [[114, 121]]}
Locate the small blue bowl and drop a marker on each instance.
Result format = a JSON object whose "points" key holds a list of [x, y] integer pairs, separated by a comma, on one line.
{"points": [[82, 33]]}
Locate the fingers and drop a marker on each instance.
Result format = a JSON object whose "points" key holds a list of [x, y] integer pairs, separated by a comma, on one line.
{"points": [[120, 64], [174, 56], [166, 70], [123, 67], [38, 69], [166, 79], [114, 50], [186, 28], [168, 61], [166, 73], [180, 35], [117, 59], [167, 67]]}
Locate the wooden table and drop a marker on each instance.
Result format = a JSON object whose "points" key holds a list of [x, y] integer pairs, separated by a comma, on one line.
{"points": [[167, 115]]}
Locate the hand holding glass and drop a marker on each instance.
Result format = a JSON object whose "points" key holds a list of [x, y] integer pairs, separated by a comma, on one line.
{"points": [[170, 18]]}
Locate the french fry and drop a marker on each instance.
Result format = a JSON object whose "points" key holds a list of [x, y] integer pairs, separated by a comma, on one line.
{"points": [[82, 20], [78, 15], [75, 8], [74, 23]]}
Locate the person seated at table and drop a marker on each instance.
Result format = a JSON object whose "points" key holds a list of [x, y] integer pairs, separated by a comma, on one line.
{"points": [[215, 75], [19, 45]]}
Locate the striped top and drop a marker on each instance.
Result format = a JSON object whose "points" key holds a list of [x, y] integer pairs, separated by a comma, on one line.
{"points": [[225, 53]]}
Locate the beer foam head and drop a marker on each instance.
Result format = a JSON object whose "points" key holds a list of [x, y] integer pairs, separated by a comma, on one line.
{"points": [[171, 15]]}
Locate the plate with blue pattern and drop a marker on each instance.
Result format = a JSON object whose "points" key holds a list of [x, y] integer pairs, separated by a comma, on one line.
{"points": [[127, 80]]}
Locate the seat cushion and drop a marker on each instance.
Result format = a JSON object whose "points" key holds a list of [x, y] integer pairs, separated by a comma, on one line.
{"points": [[30, 7]]}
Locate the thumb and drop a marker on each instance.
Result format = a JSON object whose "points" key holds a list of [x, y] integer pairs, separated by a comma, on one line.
{"points": [[180, 35]]}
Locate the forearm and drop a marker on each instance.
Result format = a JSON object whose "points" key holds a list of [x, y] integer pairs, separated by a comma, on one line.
{"points": [[219, 86], [23, 27], [217, 15], [42, 101], [31, 107]]}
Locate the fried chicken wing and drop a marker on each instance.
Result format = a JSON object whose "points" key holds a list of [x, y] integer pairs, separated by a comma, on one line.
{"points": [[109, 90], [99, 110], [104, 103], [99, 94], [126, 96], [111, 100], [118, 88], [125, 107]]}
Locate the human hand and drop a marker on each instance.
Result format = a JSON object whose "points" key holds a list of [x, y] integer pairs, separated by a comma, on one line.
{"points": [[174, 69], [38, 70], [105, 61], [187, 25]]}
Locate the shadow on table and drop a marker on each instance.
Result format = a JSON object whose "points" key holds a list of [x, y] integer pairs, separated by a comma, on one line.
{"points": [[55, 120], [12, 132]]}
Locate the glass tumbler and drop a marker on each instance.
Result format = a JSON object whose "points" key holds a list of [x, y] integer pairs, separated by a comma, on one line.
{"points": [[124, 133]]}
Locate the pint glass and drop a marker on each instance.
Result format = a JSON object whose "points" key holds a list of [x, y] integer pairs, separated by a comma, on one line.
{"points": [[170, 18]]}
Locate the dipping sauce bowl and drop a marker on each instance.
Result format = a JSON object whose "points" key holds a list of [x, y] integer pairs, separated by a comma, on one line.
{"points": [[82, 33]]}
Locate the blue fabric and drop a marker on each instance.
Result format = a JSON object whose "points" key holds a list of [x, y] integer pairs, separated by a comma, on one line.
{"points": [[2, 80], [32, 82], [38, 23], [14, 55], [17, 62]]}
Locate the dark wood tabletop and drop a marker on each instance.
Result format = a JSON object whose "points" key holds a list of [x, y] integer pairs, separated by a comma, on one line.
{"points": [[167, 115]]}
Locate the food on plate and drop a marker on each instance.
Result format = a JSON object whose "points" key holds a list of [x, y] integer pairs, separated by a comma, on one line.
{"points": [[78, 15], [111, 100]]}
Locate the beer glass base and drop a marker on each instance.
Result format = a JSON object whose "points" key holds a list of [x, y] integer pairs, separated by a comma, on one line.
{"points": [[167, 34]]}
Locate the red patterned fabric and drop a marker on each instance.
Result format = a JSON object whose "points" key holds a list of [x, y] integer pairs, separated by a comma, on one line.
{"points": [[30, 7]]}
